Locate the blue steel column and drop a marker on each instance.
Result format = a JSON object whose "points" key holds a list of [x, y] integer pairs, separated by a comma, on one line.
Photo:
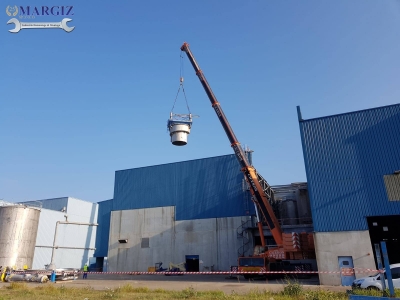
{"points": [[387, 269], [380, 267]]}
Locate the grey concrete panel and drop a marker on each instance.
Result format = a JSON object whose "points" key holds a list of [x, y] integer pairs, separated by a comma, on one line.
{"points": [[330, 245], [214, 240]]}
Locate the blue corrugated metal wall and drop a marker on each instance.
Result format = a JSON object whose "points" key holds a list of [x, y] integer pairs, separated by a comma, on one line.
{"points": [[203, 188], [103, 229], [346, 157]]}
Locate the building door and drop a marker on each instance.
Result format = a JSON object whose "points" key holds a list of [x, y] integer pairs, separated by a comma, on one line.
{"points": [[192, 263], [346, 268]]}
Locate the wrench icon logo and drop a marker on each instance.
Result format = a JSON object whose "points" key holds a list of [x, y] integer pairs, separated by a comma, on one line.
{"points": [[39, 25]]}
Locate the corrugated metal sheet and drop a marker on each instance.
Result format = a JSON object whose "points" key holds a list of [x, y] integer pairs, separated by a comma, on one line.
{"points": [[54, 210], [103, 230], [71, 235], [346, 158], [82, 210], [392, 183], [203, 188], [56, 204], [45, 237]]}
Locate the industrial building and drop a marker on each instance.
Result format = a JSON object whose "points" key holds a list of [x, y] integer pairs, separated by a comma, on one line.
{"points": [[352, 163], [200, 211], [39, 233], [159, 213]]}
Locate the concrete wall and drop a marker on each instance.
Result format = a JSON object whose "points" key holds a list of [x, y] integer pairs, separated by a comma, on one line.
{"points": [[214, 240], [330, 245]]}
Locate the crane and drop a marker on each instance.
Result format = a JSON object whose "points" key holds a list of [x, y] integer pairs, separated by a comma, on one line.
{"points": [[254, 180]]}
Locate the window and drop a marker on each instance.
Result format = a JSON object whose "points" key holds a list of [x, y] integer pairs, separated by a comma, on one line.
{"points": [[392, 184], [145, 242], [395, 273], [345, 263], [251, 262]]}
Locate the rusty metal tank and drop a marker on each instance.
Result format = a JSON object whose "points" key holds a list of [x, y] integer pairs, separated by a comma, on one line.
{"points": [[289, 212], [19, 227]]}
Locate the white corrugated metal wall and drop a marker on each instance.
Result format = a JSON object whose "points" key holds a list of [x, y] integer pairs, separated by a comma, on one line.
{"points": [[80, 236]]}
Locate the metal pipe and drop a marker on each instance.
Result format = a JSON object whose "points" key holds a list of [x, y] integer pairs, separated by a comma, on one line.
{"points": [[61, 247], [256, 209], [55, 236], [54, 242], [259, 225], [77, 223], [27, 277]]}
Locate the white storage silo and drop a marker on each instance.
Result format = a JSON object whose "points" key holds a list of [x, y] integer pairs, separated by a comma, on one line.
{"points": [[19, 227]]}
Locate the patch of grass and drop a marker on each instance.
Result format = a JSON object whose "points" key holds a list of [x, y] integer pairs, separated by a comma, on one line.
{"points": [[375, 292], [17, 286], [160, 291], [130, 289], [187, 293], [292, 288], [365, 292], [324, 295], [215, 294], [111, 294], [191, 293]]}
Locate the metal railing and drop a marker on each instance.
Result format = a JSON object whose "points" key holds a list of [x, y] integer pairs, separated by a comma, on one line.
{"points": [[240, 233]]}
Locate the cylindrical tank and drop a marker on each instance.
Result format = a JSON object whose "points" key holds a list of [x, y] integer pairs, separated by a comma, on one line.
{"points": [[179, 134], [289, 208], [18, 231], [303, 205]]}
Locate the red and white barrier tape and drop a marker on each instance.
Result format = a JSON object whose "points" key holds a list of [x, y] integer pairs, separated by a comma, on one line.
{"points": [[203, 273]]}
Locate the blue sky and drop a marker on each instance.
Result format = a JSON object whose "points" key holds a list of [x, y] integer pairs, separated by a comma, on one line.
{"points": [[77, 106]]}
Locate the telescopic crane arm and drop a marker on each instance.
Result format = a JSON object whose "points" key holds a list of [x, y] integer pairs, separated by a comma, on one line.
{"points": [[258, 195]]}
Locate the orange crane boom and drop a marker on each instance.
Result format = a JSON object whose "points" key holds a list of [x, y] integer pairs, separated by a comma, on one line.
{"points": [[258, 195]]}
